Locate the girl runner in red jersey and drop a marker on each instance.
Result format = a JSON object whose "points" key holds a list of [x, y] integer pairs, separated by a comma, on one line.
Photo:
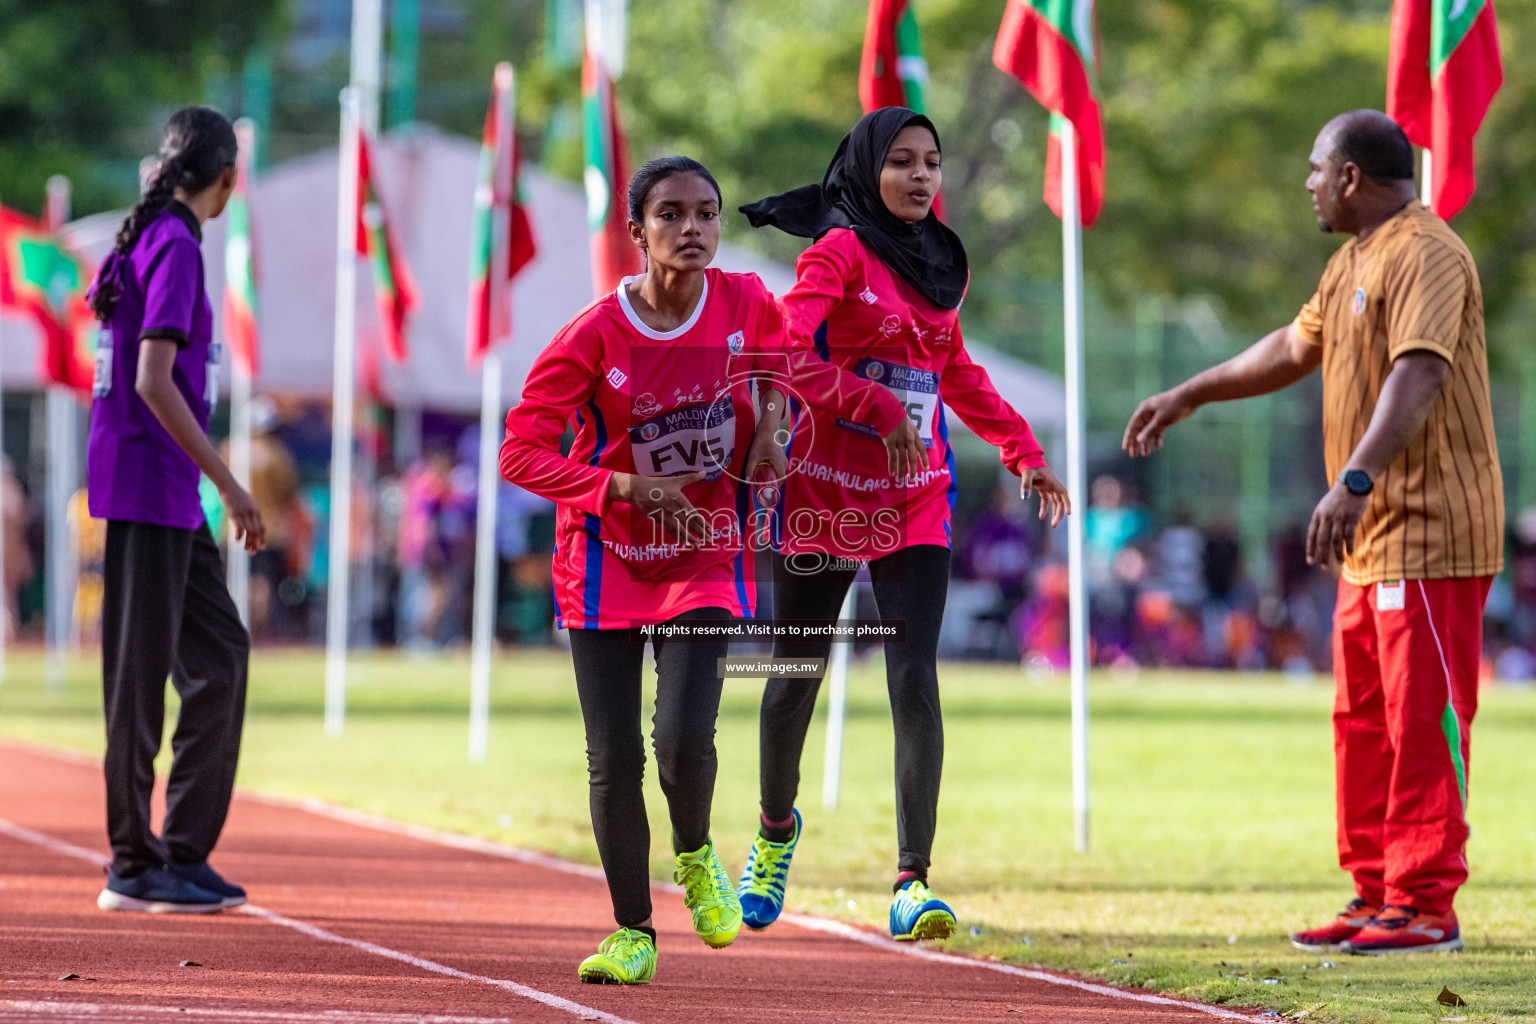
{"points": [[878, 293], [658, 377]]}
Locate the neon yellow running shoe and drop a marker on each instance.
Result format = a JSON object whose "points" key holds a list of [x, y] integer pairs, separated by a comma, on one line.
{"points": [[761, 888], [626, 957], [708, 892], [917, 914]]}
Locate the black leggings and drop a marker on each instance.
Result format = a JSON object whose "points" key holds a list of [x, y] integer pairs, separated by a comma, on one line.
{"points": [[910, 585], [688, 685]]}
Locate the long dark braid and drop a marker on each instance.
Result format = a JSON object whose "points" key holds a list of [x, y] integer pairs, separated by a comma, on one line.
{"points": [[198, 143]]}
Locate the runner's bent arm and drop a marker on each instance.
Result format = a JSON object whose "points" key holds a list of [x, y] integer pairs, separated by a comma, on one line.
{"points": [[969, 390], [562, 379], [765, 448], [820, 282], [966, 388]]}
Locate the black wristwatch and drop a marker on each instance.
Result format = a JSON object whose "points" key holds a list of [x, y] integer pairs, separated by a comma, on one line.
{"points": [[1357, 481]]}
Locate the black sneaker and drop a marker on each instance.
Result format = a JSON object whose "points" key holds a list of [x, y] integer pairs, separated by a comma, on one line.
{"points": [[157, 891], [204, 877]]}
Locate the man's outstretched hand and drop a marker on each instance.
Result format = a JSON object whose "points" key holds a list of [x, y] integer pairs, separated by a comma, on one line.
{"points": [[1144, 434]]}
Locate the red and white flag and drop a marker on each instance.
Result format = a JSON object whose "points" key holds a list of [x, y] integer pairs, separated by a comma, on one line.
{"points": [[892, 72], [1442, 73], [392, 285], [1051, 46], [614, 256], [503, 242]]}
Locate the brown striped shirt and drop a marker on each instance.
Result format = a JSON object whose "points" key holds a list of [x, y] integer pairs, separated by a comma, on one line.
{"points": [[1438, 511]]}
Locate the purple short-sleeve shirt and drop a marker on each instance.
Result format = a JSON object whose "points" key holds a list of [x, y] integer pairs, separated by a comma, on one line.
{"points": [[135, 471]]}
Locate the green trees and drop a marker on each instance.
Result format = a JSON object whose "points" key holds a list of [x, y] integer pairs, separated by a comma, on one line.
{"points": [[1211, 108], [81, 83]]}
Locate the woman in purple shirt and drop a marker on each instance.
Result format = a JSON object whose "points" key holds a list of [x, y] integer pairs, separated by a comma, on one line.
{"points": [[166, 610]]}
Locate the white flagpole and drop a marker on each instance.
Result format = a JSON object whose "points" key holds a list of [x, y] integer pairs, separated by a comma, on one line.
{"points": [[238, 567], [1427, 197], [359, 111], [490, 421], [61, 482], [1072, 287], [338, 576], [837, 705], [485, 556]]}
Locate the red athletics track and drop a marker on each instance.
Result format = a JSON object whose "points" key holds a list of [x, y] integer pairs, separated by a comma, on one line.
{"points": [[359, 919]]}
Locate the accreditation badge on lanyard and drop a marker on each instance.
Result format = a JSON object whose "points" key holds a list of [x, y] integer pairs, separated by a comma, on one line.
{"points": [[211, 381], [101, 378]]}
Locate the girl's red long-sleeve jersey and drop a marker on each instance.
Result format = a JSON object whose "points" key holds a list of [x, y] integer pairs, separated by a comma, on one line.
{"points": [[857, 314], [660, 404]]}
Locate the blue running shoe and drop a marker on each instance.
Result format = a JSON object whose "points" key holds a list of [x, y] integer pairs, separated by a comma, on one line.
{"points": [[157, 891], [916, 914], [762, 883], [204, 877]]}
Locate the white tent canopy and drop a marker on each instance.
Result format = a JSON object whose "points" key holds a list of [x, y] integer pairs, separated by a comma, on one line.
{"points": [[427, 179]]}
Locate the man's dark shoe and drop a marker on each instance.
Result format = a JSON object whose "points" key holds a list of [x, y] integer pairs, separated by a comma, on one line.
{"points": [[157, 891], [204, 877]]}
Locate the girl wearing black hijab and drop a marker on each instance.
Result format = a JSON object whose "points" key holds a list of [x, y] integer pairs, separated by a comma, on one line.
{"points": [[877, 293]]}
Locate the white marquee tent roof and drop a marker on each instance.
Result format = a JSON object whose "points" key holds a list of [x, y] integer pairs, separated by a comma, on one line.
{"points": [[427, 179]]}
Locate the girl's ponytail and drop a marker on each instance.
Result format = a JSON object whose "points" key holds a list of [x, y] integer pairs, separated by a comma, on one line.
{"points": [[197, 145]]}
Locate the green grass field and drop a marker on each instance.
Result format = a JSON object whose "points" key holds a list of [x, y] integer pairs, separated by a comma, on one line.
{"points": [[1212, 826]]}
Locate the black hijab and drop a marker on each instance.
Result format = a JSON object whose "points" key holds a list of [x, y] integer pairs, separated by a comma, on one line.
{"points": [[927, 254]]}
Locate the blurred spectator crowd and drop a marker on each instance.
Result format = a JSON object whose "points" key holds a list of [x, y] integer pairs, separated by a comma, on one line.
{"points": [[413, 540], [1179, 594]]}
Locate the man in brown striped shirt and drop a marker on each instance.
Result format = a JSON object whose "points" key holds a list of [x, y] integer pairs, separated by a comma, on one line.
{"points": [[1415, 515]]}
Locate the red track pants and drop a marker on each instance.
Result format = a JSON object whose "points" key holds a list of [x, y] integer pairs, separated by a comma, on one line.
{"points": [[1405, 658]]}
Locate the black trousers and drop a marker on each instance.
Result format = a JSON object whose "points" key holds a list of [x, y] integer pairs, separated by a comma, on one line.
{"points": [[688, 685], [910, 586], [167, 612]]}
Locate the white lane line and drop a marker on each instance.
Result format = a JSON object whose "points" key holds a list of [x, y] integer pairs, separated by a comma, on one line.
{"points": [[819, 924], [21, 1010], [848, 931], [47, 842], [363, 819], [516, 988], [333, 812]]}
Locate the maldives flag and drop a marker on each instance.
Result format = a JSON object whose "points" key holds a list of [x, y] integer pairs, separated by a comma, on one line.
{"points": [[240, 261], [1442, 73], [614, 256], [392, 286], [893, 72], [503, 240], [1051, 47], [43, 278]]}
